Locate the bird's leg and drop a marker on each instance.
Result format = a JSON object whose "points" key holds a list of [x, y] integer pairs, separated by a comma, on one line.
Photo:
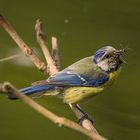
{"points": [[80, 114]]}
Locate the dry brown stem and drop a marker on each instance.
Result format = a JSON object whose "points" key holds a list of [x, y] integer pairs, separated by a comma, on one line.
{"points": [[55, 52], [22, 45], [41, 41], [61, 121], [54, 66]]}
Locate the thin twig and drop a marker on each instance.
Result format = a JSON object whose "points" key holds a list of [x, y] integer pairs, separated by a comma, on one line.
{"points": [[41, 41], [9, 57], [61, 121], [22, 45], [54, 63], [55, 52], [41, 66], [87, 124]]}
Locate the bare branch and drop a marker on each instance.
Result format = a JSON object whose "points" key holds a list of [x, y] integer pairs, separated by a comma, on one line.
{"points": [[61, 121], [87, 124], [55, 52], [54, 66], [41, 41], [9, 58], [22, 45]]}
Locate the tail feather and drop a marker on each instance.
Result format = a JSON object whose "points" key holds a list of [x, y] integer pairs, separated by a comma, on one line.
{"points": [[31, 90]]}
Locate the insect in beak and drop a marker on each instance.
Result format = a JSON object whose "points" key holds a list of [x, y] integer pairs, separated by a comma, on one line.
{"points": [[121, 53]]}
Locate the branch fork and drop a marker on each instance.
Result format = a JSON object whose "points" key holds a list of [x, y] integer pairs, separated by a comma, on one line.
{"points": [[53, 62]]}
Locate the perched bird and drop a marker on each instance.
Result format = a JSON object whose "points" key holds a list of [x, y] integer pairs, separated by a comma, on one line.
{"points": [[83, 79]]}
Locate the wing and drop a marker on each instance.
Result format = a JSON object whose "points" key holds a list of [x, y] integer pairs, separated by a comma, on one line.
{"points": [[81, 73], [70, 78]]}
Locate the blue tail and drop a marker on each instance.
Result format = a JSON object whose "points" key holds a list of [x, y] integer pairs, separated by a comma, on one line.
{"points": [[31, 90]]}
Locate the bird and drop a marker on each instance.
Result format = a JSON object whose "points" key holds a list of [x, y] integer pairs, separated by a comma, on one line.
{"points": [[82, 80]]}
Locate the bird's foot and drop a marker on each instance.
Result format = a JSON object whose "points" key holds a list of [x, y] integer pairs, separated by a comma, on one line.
{"points": [[85, 117]]}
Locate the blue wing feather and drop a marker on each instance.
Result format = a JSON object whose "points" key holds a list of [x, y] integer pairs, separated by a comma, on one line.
{"points": [[65, 78], [69, 78], [97, 81], [37, 88], [30, 90], [82, 73]]}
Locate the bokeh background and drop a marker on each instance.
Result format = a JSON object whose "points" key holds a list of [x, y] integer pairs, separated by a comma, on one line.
{"points": [[81, 26]]}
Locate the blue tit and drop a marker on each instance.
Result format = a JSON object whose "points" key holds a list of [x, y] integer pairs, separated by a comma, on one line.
{"points": [[83, 79]]}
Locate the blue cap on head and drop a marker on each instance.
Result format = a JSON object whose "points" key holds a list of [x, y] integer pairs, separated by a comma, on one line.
{"points": [[99, 53]]}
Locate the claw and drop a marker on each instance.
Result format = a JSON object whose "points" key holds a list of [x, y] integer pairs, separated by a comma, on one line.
{"points": [[85, 116]]}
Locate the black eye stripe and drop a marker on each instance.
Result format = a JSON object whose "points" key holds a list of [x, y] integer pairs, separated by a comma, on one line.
{"points": [[108, 55]]}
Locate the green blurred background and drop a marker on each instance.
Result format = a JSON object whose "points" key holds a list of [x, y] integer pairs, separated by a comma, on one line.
{"points": [[81, 26]]}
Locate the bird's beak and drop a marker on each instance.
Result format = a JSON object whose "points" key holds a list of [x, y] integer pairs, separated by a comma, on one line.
{"points": [[121, 52]]}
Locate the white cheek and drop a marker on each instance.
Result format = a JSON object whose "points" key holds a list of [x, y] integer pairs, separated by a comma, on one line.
{"points": [[104, 65]]}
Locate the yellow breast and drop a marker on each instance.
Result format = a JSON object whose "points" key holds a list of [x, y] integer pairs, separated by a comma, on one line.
{"points": [[75, 95], [112, 77], [78, 94]]}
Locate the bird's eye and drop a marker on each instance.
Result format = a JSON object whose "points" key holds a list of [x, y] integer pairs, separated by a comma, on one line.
{"points": [[107, 56]]}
